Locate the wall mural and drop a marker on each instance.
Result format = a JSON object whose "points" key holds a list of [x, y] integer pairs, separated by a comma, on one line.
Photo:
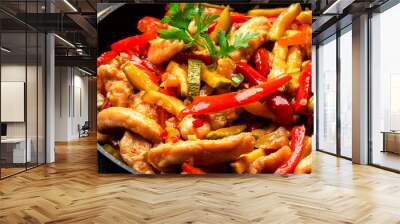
{"points": [[201, 88]]}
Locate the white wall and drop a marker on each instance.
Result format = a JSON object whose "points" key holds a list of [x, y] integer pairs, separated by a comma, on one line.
{"points": [[71, 94]]}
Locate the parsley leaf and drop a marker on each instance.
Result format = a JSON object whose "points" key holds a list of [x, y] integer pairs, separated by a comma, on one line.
{"points": [[210, 46], [241, 41], [176, 34], [180, 18]]}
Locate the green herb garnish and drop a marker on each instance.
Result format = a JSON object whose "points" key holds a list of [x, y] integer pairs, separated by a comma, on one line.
{"points": [[241, 41], [237, 79]]}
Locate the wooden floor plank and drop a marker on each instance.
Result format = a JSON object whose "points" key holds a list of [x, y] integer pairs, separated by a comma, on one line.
{"points": [[71, 191]]}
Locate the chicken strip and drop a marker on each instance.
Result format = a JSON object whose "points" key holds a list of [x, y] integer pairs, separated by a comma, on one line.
{"points": [[271, 162], [273, 141], [147, 109], [162, 50], [260, 25], [201, 152], [133, 149], [120, 117]]}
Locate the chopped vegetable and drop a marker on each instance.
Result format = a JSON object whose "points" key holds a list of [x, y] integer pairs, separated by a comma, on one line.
{"points": [[209, 104], [304, 165], [237, 79], [184, 56], [259, 109], [297, 38], [251, 75], [130, 43], [284, 20], [197, 123], [245, 160], [106, 57], [188, 169], [181, 75], [194, 77], [225, 132], [213, 79], [304, 90], [261, 60], [281, 108], [169, 103], [269, 163], [149, 23], [266, 12], [114, 152], [305, 17], [310, 105], [298, 134], [223, 23], [138, 78]]}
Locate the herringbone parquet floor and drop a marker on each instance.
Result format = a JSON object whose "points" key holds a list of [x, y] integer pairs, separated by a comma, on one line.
{"points": [[71, 191]]}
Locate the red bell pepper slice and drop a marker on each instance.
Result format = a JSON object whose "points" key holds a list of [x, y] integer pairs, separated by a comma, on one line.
{"points": [[281, 107], [209, 104], [171, 91], [304, 91], [184, 56], [198, 122], [149, 23], [240, 18], [133, 42], [298, 134], [191, 169], [106, 57], [212, 26], [261, 60], [249, 73]]}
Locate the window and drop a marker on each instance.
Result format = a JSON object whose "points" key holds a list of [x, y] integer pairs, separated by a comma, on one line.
{"points": [[327, 95], [346, 92], [385, 89]]}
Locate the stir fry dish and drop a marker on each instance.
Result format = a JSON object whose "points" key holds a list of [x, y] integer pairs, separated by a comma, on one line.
{"points": [[207, 89]]}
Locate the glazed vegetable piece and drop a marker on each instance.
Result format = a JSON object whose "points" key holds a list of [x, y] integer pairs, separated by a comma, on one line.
{"points": [[138, 78], [251, 75], [171, 104], [149, 23], [213, 79], [266, 12], [194, 67], [307, 147], [183, 57], [295, 38], [223, 23], [271, 162], [261, 60], [304, 165], [114, 152], [106, 57], [305, 17], [310, 105], [208, 104], [281, 107], [298, 134], [304, 90], [279, 65], [181, 75], [130, 43], [274, 140], [189, 169], [245, 160], [225, 132], [284, 20]]}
